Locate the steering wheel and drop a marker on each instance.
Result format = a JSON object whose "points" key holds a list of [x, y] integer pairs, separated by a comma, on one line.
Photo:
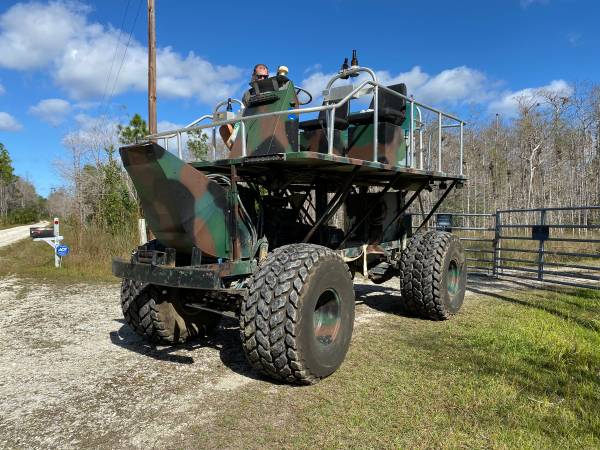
{"points": [[310, 97]]}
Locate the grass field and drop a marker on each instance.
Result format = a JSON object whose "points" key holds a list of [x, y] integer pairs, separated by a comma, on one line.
{"points": [[89, 259], [517, 370]]}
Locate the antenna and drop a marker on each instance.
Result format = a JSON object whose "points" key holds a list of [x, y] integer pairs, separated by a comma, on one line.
{"points": [[344, 67], [354, 62]]}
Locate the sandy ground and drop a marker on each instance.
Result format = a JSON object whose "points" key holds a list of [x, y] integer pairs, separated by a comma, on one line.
{"points": [[73, 375], [11, 235]]}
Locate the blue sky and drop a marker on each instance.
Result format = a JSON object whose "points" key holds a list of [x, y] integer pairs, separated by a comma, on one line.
{"points": [[56, 57]]}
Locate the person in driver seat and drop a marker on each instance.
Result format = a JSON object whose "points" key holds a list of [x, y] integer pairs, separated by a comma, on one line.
{"points": [[229, 132]]}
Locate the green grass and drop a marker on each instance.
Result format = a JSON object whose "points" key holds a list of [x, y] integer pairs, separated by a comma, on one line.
{"points": [[89, 259], [514, 370]]}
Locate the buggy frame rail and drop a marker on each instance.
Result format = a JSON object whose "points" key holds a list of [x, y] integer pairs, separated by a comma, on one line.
{"points": [[415, 108]]}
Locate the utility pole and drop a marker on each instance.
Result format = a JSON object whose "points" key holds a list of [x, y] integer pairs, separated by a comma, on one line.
{"points": [[151, 68], [146, 233]]}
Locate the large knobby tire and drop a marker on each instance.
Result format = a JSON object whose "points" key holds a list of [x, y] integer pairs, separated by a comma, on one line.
{"points": [[433, 275], [296, 322], [161, 318]]}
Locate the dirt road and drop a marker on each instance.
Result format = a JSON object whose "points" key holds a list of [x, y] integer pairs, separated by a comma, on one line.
{"points": [[73, 375], [11, 235]]}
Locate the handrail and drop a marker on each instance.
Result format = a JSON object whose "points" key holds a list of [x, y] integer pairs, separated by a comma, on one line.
{"points": [[177, 134], [348, 72], [331, 109], [312, 109]]}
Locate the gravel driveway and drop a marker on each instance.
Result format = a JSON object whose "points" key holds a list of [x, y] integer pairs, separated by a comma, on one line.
{"points": [[73, 375]]}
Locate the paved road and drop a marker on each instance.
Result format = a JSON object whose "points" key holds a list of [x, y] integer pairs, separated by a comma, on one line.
{"points": [[11, 235]]}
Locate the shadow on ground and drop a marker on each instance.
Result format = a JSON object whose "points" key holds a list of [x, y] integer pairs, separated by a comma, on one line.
{"points": [[225, 340], [381, 298]]}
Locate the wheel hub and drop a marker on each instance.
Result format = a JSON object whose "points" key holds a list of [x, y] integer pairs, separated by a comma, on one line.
{"points": [[327, 317], [453, 278]]}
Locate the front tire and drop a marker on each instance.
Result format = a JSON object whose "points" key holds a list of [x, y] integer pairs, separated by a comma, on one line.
{"points": [[158, 315], [433, 275], [297, 321]]}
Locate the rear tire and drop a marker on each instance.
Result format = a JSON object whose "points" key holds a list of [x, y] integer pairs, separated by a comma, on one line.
{"points": [[296, 322], [161, 318], [433, 275]]}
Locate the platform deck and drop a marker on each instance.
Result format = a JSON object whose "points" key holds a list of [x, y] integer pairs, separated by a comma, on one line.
{"points": [[302, 167]]}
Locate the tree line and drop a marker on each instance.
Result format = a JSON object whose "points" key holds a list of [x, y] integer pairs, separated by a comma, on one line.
{"points": [[19, 201], [548, 155]]}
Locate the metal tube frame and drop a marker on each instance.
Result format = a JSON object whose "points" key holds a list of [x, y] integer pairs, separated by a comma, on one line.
{"points": [[411, 131], [369, 210], [377, 87], [439, 141], [334, 204]]}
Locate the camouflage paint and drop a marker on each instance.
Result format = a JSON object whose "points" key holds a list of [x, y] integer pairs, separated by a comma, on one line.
{"points": [[316, 141], [391, 148], [182, 206], [270, 135]]}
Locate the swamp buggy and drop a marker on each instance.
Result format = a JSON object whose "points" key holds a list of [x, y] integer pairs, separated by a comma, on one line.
{"points": [[252, 236]]}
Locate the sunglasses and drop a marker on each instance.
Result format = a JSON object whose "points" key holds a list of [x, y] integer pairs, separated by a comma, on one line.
{"points": [[262, 77]]}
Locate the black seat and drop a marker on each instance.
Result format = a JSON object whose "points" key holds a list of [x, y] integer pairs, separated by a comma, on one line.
{"points": [[268, 84], [340, 121], [392, 109]]}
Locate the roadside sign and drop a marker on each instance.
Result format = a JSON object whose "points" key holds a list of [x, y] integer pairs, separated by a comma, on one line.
{"points": [[62, 250], [540, 232], [444, 222]]}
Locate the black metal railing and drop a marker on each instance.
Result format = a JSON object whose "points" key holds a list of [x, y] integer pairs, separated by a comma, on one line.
{"points": [[553, 245]]}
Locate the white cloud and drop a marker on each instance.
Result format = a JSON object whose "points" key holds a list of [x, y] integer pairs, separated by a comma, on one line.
{"points": [[458, 85], [52, 110], [2, 90], [314, 68], [33, 34], [9, 123], [508, 103], [316, 82], [527, 3], [574, 38], [79, 54]]}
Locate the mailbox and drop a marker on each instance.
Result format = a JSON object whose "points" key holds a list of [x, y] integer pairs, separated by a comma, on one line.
{"points": [[41, 232]]}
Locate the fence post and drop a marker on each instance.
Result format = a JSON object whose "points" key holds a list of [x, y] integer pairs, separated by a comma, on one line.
{"points": [[541, 248], [496, 243], [57, 260]]}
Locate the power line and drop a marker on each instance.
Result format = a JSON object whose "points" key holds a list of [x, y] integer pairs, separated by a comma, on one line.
{"points": [[105, 91], [125, 52]]}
